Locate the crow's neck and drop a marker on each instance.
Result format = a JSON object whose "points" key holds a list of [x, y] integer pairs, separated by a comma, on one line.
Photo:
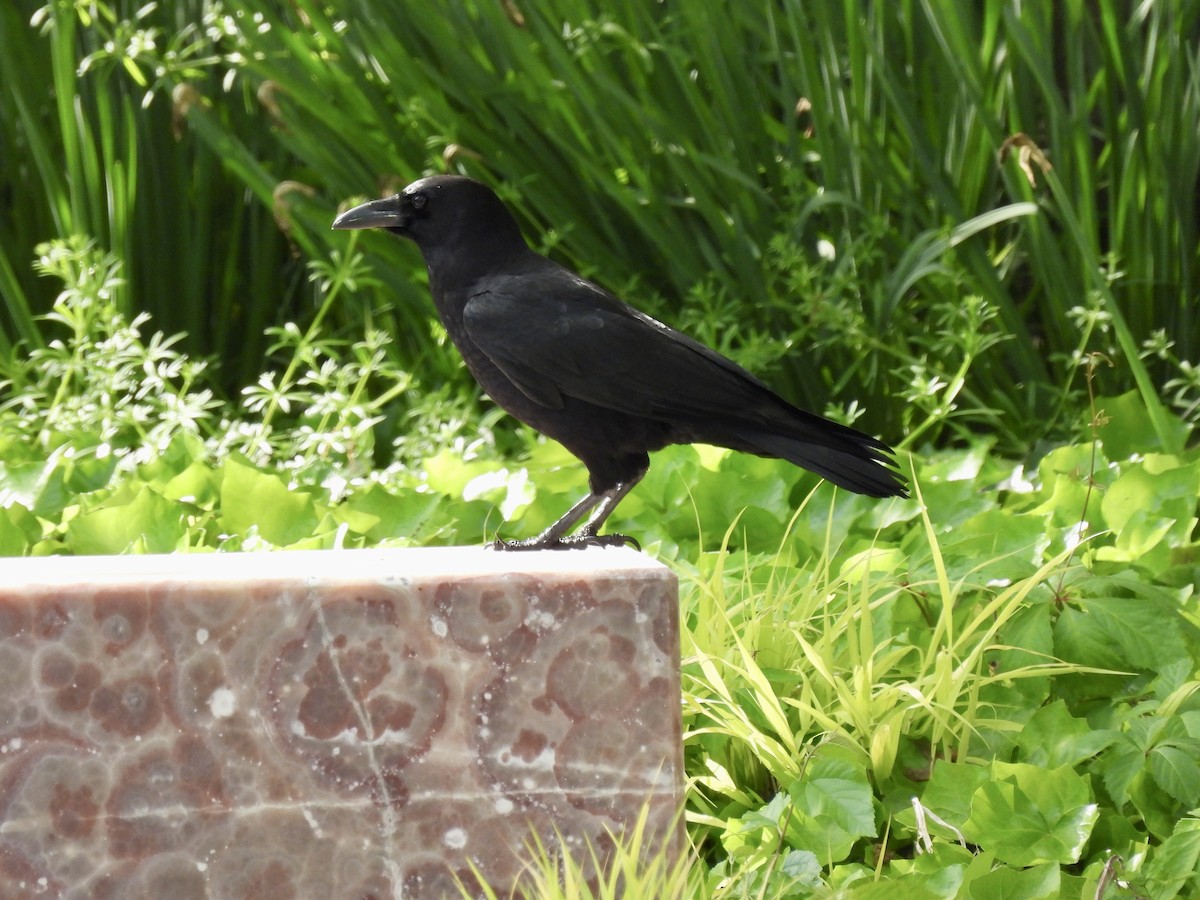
{"points": [[456, 271]]}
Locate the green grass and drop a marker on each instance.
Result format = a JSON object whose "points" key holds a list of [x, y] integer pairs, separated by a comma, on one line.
{"points": [[628, 869]]}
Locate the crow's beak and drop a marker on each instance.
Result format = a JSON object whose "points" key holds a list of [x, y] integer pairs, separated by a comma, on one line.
{"points": [[386, 213]]}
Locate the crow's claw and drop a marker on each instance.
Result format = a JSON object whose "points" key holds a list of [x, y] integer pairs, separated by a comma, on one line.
{"points": [[571, 542]]}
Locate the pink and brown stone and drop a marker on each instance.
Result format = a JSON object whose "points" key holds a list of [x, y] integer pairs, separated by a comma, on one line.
{"points": [[337, 724]]}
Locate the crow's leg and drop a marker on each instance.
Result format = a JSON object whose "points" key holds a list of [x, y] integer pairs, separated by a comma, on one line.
{"points": [[555, 537], [608, 502], [552, 536]]}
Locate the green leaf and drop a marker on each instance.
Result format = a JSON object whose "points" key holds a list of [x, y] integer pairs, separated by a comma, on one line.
{"points": [[39, 486], [1037, 883], [949, 791], [197, 484], [1174, 869], [13, 539], [756, 493], [253, 499], [1119, 767], [768, 816], [1030, 815], [832, 809], [148, 523], [1115, 833], [953, 502], [1129, 428], [957, 465], [1175, 767], [944, 873], [1159, 812], [870, 563], [1146, 505], [1119, 633], [838, 791], [1064, 474], [448, 473], [1027, 640], [803, 868], [1159, 481], [382, 515], [87, 473], [1054, 738], [185, 449], [997, 544]]}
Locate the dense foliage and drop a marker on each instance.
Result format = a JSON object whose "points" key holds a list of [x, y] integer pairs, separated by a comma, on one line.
{"points": [[988, 690], [950, 204]]}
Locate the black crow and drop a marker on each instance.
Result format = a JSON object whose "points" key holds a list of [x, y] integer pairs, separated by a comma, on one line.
{"points": [[608, 382]]}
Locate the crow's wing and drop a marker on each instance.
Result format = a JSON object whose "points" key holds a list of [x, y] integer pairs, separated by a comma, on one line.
{"points": [[554, 335]]}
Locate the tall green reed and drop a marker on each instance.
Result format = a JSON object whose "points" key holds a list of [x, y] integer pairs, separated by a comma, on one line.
{"points": [[815, 185]]}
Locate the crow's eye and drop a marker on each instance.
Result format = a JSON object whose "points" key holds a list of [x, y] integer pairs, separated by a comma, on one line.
{"points": [[418, 201]]}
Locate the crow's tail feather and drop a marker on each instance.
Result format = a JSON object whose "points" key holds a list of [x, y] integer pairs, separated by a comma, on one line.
{"points": [[848, 458]]}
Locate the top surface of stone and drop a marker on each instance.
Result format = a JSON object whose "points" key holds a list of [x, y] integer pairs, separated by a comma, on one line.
{"points": [[405, 564]]}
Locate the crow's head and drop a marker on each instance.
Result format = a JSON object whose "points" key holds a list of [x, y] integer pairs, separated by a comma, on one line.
{"points": [[440, 212]]}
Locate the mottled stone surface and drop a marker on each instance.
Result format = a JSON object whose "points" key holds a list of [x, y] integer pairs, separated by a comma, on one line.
{"points": [[342, 724]]}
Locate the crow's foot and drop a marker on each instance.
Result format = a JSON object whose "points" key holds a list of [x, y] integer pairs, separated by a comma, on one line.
{"points": [[570, 542]]}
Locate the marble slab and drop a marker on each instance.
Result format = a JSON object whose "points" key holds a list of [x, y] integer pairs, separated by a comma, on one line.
{"points": [[329, 724]]}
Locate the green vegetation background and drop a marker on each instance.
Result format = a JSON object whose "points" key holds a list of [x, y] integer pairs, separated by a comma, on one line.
{"points": [[970, 228]]}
